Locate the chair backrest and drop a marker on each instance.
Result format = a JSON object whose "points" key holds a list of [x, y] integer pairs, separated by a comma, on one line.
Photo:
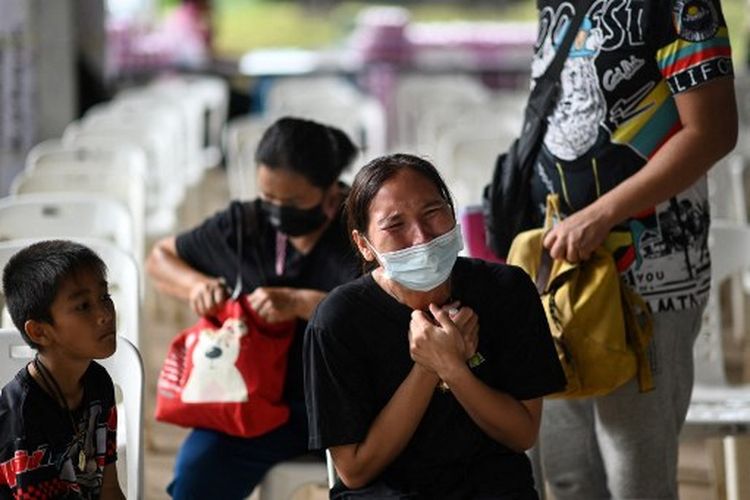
{"points": [[162, 194], [122, 275], [48, 215], [53, 153], [466, 155], [213, 93], [241, 137], [729, 243], [726, 188], [415, 94], [126, 369], [179, 119], [120, 186]]}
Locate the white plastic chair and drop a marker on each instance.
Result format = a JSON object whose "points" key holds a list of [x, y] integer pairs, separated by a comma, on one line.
{"points": [[122, 275], [119, 186], [416, 94], [716, 408], [285, 478], [241, 137], [188, 121], [48, 215], [53, 153], [163, 192], [212, 96], [126, 369], [158, 117], [467, 151], [332, 101]]}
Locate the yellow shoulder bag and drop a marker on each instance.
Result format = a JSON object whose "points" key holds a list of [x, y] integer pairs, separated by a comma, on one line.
{"points": [[601, 327]]}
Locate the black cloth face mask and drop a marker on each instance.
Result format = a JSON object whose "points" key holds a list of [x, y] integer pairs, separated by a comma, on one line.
{"points": [[294, 221]]}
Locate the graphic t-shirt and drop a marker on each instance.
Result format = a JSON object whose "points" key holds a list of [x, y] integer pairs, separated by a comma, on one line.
{"points": [[615, 110], [39, 452]]}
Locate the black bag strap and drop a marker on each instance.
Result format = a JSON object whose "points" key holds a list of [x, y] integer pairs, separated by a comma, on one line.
{"points": [[545, 89], [552, 73], [246, 219], [544, 271]]}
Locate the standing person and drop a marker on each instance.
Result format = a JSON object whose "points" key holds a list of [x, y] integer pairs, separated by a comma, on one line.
{"points": [[304, 253], [58, 419], [424, 377], [646, 108]]}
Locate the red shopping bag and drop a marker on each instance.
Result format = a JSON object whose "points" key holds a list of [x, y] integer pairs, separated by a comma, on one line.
{"points": [[227, 373]]}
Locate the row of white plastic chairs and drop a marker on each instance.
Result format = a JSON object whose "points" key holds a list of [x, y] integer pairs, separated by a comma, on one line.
{"points": [[453, 120], [162, 135], [328, 100], [116, 176]]}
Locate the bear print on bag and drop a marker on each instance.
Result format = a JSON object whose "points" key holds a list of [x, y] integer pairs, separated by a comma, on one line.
{"points": [[214, 377]]}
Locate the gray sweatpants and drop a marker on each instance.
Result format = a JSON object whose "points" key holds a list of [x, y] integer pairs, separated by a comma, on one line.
{"points": [[625, 444]]}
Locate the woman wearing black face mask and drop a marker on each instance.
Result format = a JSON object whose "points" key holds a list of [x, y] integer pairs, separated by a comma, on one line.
{"points": [[302, 253]]}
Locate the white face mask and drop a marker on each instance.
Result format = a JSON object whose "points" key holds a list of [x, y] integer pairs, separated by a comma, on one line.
{"points": [[425, 266]]}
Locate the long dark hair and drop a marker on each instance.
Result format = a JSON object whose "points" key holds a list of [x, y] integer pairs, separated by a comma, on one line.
{"points": [[318, 152]]}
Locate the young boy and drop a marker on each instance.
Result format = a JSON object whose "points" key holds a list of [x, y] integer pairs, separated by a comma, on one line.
{"points": [[57, 416]]}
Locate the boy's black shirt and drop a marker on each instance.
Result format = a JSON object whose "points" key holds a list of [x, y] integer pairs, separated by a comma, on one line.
{"points": [[38, 449]]}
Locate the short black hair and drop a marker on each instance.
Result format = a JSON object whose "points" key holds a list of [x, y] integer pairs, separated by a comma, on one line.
{"points": [[32, 278], [318, 152]]}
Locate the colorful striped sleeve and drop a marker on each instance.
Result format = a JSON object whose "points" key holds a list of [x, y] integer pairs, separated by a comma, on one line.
{"points": [[696, 48]]}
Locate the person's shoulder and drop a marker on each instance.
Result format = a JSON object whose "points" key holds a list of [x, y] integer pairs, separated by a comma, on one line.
{"points": [[99, 380], [492, 273], [13, 404], [14, 393], [342, 303]]}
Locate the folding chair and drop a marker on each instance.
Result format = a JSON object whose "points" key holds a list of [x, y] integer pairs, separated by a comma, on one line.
{"points": [[122, 275], [126, 369]]}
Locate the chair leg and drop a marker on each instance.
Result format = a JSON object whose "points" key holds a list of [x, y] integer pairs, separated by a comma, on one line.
{"points": [[717, 474], [737, 467]]}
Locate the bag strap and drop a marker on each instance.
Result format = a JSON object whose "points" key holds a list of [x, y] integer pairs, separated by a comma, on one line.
{"points": [[544, 92], [245, 217], [552, 215], [552, 73], [542, 274]]}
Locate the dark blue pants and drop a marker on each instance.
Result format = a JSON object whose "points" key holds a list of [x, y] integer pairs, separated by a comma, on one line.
{"points": [[211, 464]]}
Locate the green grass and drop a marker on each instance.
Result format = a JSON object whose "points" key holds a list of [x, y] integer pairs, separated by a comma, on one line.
{"points": [[242, 25]]}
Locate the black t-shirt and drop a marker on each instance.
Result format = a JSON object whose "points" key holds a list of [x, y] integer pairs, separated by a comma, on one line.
{"points": [[38, 450], [211, 248], [357, 355]]}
